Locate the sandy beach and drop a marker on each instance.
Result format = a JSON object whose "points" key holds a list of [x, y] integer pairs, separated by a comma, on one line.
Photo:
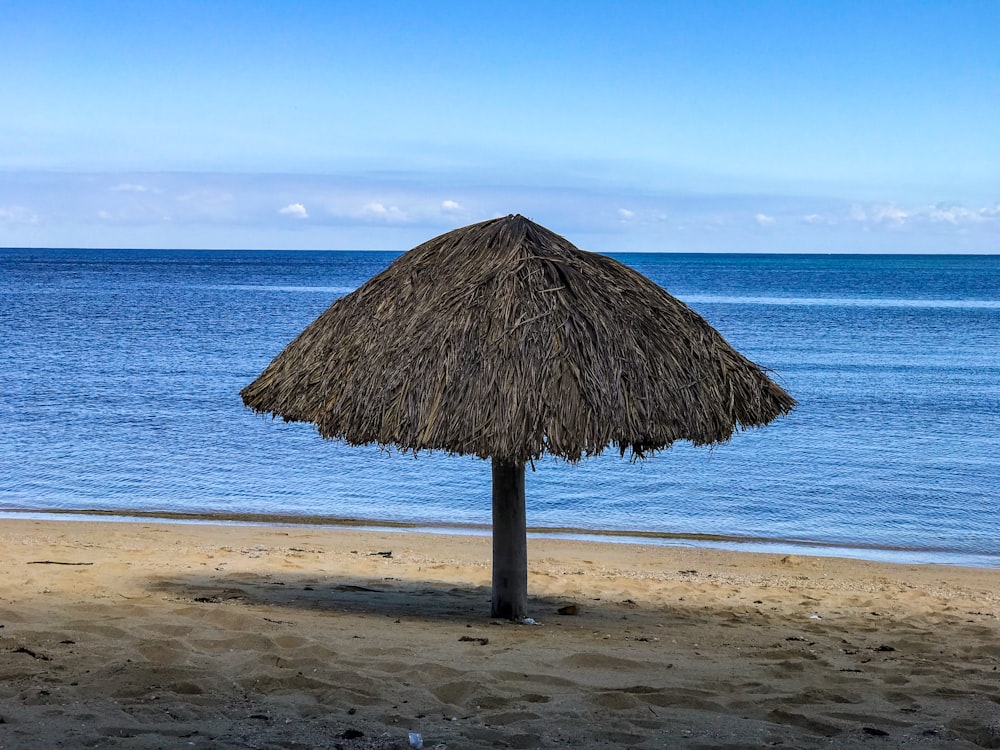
{"points": [[155, 635]]}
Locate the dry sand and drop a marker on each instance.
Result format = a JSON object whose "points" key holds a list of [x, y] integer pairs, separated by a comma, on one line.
{"points": [[149, 635]]}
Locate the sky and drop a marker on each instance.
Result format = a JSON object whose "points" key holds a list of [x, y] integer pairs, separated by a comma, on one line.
{"points": [[666, 126]]}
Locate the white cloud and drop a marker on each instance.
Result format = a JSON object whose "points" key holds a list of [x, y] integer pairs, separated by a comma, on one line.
{"points": [[889, 213], [818, 220], [951, 215], [451, 207], [295, 211], [881, 213], [764, 220], [956, 215], [129, 187], [378, 210], [625, 215]]}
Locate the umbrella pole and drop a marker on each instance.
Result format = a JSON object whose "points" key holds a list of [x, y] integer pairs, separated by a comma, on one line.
{"points": [[510, 542]]}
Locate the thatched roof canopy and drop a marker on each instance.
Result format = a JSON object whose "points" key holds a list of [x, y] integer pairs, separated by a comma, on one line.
{"points": [[503, 340]]}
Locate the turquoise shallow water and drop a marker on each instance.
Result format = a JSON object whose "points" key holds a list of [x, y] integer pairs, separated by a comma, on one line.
{"points": [[122, 371]]}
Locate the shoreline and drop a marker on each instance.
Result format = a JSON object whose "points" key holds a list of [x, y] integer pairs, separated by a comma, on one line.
{"points": [[924, 555], [149, 634]]}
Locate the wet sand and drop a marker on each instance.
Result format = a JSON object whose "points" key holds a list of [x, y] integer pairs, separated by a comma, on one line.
{"points": [[156, 635]]}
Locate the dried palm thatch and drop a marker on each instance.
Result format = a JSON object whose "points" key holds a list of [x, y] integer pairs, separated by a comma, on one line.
{"points": [[503, 340]]}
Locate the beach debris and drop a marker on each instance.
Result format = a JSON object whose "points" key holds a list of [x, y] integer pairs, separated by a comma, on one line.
{"points": [[55, 562], [815, 617], [569, 609], [32, 654], [416, 741], [387, 553], [528, 621], [472, 639], [352, 587]]}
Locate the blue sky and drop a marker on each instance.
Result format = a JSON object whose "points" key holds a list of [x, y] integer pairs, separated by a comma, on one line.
{"points": [[627, 126]]}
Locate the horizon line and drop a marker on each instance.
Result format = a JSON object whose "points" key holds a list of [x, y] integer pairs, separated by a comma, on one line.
{"points": [[962, 253]]}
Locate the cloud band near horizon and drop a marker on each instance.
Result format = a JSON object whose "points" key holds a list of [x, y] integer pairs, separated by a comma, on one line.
{"points": [[257, 211]]}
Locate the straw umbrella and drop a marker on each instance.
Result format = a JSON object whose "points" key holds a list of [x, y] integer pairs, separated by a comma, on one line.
{"points": [[504, 341]]}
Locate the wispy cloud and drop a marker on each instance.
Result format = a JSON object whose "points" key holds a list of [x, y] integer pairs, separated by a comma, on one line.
{"points": [[129, 187], [380, 211], [891, 215], [17, 215], [819, 220], [399, 211], [956, 215], [295, 211]]}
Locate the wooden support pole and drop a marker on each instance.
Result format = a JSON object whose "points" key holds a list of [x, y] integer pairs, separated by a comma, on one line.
{"points": [[510, 542]]}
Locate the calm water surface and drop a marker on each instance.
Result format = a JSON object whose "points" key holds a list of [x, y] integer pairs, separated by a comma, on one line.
{"points": [[122, 369]]}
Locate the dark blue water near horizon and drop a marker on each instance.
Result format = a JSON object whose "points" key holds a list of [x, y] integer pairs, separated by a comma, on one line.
{"points": [[122, 369]]}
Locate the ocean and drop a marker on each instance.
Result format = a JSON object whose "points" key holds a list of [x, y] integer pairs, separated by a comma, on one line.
{"points": [[121, 373]]}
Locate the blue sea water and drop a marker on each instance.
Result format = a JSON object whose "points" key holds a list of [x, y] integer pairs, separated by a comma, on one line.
{"points": [[121, 373]]}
